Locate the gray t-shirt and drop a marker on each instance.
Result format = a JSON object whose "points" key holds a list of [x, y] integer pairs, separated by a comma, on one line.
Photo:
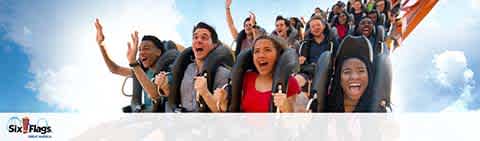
{"points": [[188, 93]]}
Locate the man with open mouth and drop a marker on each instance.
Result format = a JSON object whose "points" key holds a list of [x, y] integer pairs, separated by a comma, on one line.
{"points": [[150, 50], [284, 31], [193, 86]]}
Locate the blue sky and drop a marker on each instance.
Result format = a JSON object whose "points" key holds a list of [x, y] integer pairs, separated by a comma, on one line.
{"points": [[51, 62]]}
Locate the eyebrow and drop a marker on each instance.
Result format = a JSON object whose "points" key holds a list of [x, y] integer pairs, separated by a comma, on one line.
{"points": [[362, 67], [200, 33], [348, 68]]}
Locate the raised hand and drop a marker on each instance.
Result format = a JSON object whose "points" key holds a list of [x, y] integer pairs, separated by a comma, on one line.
{"points": [[303, 20], [132, 48], [228, 3], [100, 36], [252, 18]]}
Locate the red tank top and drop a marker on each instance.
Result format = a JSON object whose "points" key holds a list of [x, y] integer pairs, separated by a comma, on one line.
{"points": [[257, 101]]}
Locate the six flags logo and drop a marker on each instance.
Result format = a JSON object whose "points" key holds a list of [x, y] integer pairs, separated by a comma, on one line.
{"points": [[17, 125]]}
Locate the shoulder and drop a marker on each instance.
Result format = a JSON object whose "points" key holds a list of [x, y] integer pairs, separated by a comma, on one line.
{"points": [[223, 70], [222, 75]]}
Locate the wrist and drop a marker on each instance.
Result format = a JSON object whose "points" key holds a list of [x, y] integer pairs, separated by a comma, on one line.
{"points": [[204, 92], [101, 43], [133, 64]]}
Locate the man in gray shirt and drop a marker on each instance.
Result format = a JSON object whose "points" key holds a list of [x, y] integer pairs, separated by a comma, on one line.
{"points": [[193, 86]]}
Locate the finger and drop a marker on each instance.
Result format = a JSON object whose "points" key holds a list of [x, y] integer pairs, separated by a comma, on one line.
{"points": [[100, 25], [136, 35], [276, 103], [97, 22], [132, 36]]}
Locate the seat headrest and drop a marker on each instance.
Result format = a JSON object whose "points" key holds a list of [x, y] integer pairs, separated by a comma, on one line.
{"points": [[382, 84], [243, 63], [286, 65], [165, 60], [355, 46], [220, 56], [178, 69], [381, 19], [321, 79]]}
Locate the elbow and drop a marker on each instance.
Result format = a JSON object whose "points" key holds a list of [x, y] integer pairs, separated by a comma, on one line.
{"points": [[113, 70]]}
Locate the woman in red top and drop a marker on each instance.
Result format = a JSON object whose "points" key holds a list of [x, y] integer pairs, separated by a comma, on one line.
{"points": [[341, 23], [257, 84]]}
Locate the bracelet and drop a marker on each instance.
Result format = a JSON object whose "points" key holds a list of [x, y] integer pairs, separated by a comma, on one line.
{"points": [[134, 64]]}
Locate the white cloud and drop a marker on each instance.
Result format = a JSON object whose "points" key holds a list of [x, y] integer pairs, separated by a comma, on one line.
{"points": [[452, 69], [69, 72], [433, 85]]}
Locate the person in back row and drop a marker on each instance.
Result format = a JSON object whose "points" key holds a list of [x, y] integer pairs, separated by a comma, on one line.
{"points": [[244, 38], [284, 31]]}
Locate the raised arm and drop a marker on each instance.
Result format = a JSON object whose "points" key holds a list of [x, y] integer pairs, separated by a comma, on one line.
{"points": [[112, 66], [138, 71], [253, 21], [230, 22]]}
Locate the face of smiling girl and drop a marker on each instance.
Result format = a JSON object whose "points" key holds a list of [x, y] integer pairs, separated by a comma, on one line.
{"points": [[264, 56], [354, 78]]}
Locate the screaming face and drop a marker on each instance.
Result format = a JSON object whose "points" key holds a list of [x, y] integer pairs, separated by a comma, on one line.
{"points": [[281, 28], [202, 43], [264, 56], [365, 27], [354, 78], [148, 53]]}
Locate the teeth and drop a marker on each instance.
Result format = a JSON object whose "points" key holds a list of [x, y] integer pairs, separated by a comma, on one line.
{"points": [[355, 85]]}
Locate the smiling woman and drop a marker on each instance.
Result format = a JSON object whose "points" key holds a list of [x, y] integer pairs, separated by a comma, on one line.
{"points": [[354, 88], [352, 91]]}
